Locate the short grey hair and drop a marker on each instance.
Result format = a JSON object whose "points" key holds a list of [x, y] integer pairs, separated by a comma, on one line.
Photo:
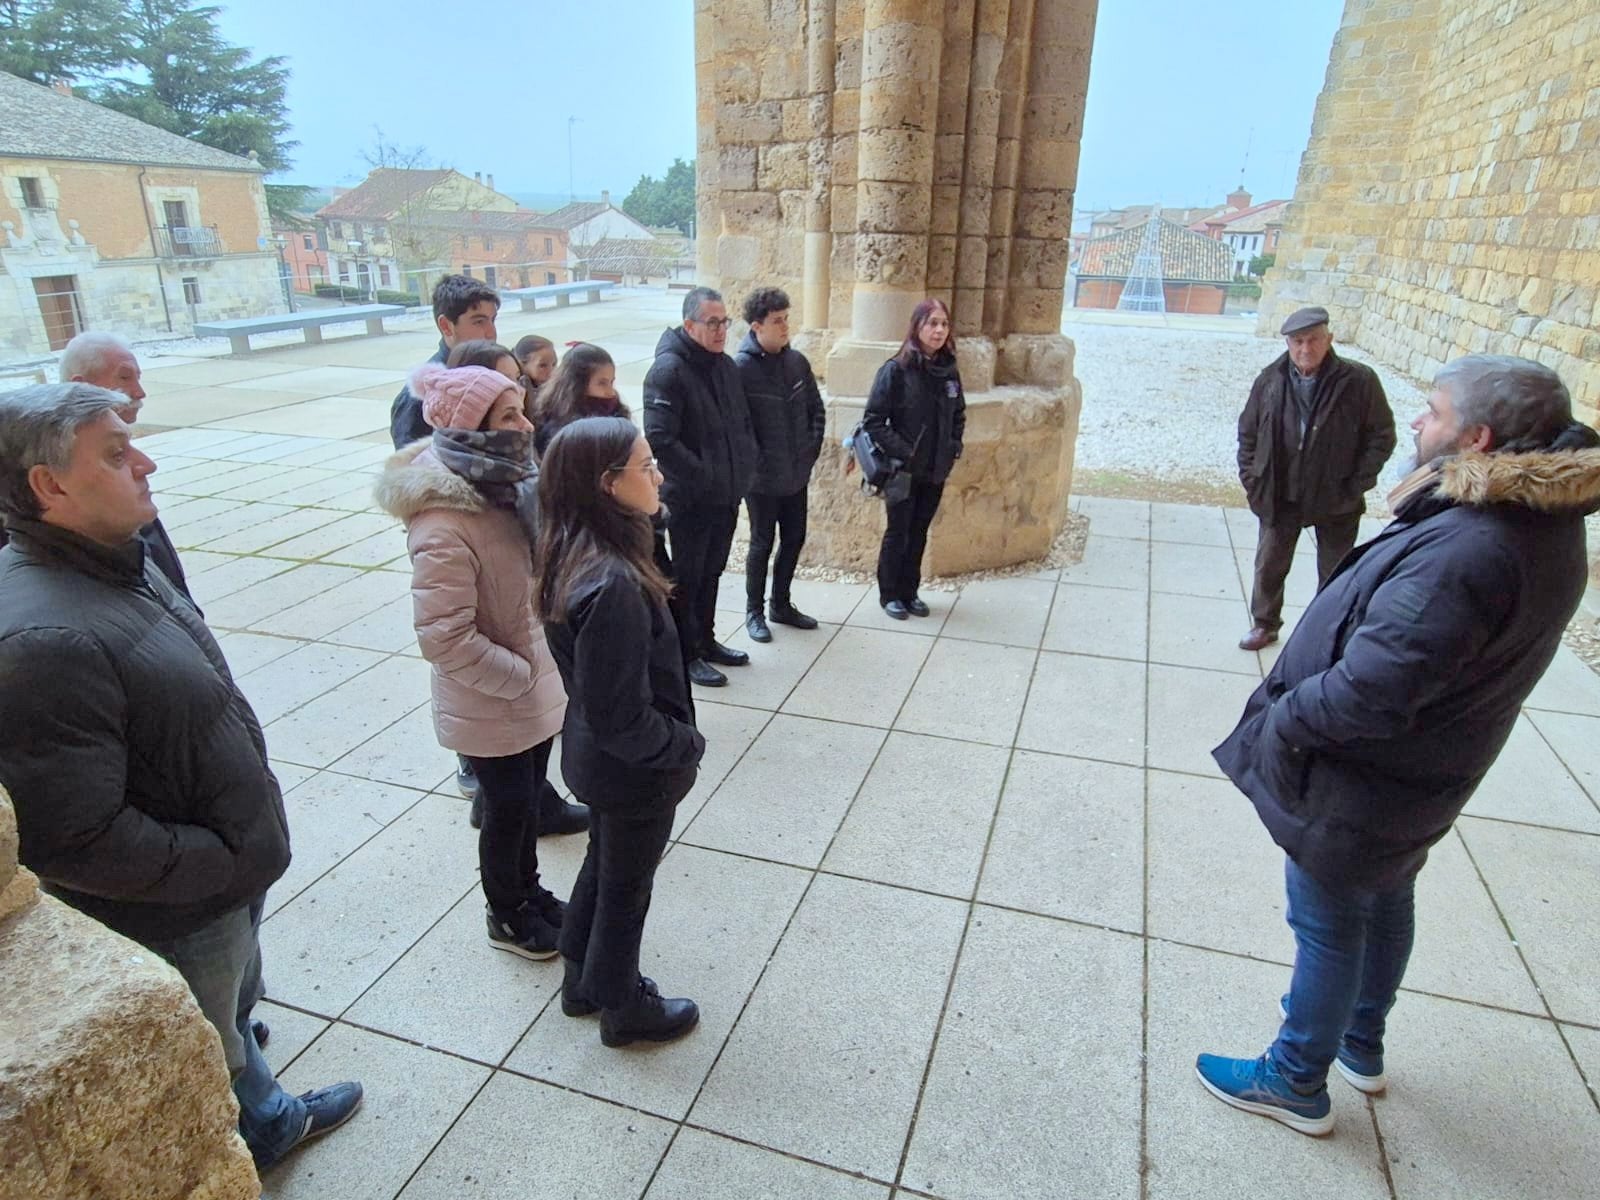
{"points": [[86, 354], [699, 296], [1524, 404], [38, 426]]}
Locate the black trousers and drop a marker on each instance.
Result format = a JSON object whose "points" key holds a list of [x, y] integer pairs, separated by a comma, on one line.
{"points": [[508, 842], [610, 899], [1275, 555], [785, 518], [701, 539], [905, 537]]}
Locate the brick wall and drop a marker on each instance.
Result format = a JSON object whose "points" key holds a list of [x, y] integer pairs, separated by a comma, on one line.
{"points": [[1449, 200]]}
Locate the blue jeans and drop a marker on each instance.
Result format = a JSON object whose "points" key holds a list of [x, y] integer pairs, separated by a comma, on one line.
{"points": [[221, 963], [1351, 950]]}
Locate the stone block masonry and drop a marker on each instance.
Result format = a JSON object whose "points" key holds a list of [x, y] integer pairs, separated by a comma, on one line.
{"points": [[1449, 200], [112, 1084]]}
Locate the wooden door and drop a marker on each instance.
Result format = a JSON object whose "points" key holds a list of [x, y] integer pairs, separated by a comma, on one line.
{"points": [[58, 305]]}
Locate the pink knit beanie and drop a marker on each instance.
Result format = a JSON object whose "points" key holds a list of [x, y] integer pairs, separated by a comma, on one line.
{"points": [[458, 397]]}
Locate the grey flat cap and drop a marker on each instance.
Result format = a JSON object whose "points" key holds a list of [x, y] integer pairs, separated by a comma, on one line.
{"points": [[1304, 318]]}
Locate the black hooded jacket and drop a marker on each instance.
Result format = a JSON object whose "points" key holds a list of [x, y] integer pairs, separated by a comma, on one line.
{"points": [[137, 768], [918, 414], [1403, 678], [787, 413], [698, 423]]}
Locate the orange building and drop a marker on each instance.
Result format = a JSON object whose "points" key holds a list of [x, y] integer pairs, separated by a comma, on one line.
{"points": [[109, 223]]}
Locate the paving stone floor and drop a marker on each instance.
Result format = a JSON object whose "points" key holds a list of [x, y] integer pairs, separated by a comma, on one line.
{"points": [[960, 898]]}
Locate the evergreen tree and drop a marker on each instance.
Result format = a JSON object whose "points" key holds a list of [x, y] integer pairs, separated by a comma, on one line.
{"points": [[187, 79], [664, 202], [47, 40]]}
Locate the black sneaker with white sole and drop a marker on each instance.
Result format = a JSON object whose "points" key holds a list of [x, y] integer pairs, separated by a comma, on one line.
{"points": [[326, 1109], [523, 931]]}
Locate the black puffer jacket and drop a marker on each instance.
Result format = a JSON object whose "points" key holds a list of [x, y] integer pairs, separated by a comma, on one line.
{"points": [[787, 413], [919, 414], [137, 768], [158, 546], [1350, 438], [1403, 678], [629, 744], [405, 414], [698, 423]]}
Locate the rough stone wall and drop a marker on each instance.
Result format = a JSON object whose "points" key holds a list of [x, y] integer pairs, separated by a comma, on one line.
{"points": [[112, 1084], [1449, 200], [865, 154]]}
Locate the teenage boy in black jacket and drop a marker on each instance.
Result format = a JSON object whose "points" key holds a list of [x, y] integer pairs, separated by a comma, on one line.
{"points": [[787, 414]]}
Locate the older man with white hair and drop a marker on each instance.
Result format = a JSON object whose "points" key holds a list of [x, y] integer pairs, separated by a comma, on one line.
{"points": [[1391, 701], [139, 772]]}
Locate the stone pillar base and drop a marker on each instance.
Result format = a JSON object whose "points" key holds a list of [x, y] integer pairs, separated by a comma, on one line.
{"points": [[112, 1084]]}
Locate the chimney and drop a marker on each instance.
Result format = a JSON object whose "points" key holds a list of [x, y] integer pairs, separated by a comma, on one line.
{"points": [[605, 197], [477, 177], [490, 183]]}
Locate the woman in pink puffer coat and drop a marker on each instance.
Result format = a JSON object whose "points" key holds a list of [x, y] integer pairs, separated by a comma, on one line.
{"points": [[468, 498]]}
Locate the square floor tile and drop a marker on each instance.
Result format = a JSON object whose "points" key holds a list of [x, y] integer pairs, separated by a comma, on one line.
{"points": [[847, 1007], [1010, 611], [281, 685], [1087, 707], [869, 614], [1569, 685], [729, 730], [766, 810], [1069, 842], [322, 381], [407, 753], [320, 615], [1576, 742], [1037, 1009], [1116, 518], [1190, 524], [775, 668], [863, 676], [922, 817], [1098, 621], [1195, 631], [1191, 712], [321, 731], [972, 691], [278, 526], [1528, 782], [247, 651], [331, 817], [1111, 563], [701, 1165], [1194, 571]]}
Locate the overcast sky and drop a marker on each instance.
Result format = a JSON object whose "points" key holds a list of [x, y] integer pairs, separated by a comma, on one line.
{"points": [[1177, 90]]}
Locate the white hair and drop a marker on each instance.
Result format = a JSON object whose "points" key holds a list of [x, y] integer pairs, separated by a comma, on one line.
{"points": [[86, 354]]}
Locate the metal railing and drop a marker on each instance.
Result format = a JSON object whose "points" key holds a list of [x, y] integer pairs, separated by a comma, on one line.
{"points": [[188, 241]]}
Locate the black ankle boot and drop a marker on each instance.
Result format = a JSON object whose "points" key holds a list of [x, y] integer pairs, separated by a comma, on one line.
{"points": [[557, 816], [647, 1017], [573, 1002]]}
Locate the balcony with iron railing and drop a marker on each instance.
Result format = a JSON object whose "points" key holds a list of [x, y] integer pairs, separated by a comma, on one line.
{"points": [[188, 241]]}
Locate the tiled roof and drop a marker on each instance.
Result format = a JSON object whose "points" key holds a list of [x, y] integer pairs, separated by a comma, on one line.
{"points": [[42, 123], [383, 193], [1138, 214], [630, 256], [1254, 219], [1186, 256], [570, 216], [523, 220]]}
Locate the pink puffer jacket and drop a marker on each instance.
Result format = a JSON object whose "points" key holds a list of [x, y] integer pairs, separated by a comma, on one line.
{"points": [[496, 690]]}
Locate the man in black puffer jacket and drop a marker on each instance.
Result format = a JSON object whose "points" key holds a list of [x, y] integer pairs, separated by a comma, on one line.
{"points": [[138, 771], [789, 418], [1391, 702], [698, 423]]}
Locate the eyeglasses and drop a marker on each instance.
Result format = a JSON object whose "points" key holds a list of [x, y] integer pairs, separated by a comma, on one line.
{"points": [[715, 323], [647, 465]]}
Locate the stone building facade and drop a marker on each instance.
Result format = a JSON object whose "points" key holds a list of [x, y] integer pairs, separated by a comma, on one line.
{"points": [[864, 154], [109, 223], [1449, 200]]}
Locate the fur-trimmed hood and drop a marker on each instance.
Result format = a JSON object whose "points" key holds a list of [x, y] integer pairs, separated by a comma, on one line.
{"points": [[414, 481], [1549, 481]]}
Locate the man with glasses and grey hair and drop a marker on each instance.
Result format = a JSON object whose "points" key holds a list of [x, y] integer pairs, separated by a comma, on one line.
{"points": [[1391, 701], [106, 360], [698, 422], [139, 772]]}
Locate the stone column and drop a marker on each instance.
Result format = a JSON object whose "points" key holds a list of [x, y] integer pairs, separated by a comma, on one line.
{"points": [[111, 1082]]}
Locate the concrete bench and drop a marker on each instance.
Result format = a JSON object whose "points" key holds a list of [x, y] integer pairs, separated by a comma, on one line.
{"points": [[563, 292], [238, 331]]}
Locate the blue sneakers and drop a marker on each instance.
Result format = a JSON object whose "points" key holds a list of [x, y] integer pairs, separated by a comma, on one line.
{"points": [[1362, 1071], [1253, 1085]]}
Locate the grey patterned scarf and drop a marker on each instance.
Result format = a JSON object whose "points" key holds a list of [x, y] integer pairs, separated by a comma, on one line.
{"points": [[499, 463]]}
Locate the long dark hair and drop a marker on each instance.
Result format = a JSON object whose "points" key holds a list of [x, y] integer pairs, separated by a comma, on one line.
{"points": [[564, 397], [479, 352], [584, 531], [911, 351]]}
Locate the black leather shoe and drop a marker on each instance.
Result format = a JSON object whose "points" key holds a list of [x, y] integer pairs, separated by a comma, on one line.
{"points": [[259, 1031], [647, 1018], [916, 607], [558, 816], [466, 777], [895, 609], [784, 613], [703, 673], [573, 1002], [724, 657], [756, 626], [475, 817]]}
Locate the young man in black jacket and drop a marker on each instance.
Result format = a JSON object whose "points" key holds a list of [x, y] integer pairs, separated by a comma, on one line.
{"points": [[698, 423], [1391, 702], [138, 770], [464, 309], [788, 417]]}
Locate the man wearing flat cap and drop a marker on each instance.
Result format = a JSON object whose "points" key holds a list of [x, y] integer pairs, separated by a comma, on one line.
{"points": [[1313, 436]]}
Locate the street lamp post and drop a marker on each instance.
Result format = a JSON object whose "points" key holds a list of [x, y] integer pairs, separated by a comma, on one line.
{"points": [[283, 271]]}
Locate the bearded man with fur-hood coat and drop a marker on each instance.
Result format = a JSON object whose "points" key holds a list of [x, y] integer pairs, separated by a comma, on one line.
{"points": [[1393, 698]]}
